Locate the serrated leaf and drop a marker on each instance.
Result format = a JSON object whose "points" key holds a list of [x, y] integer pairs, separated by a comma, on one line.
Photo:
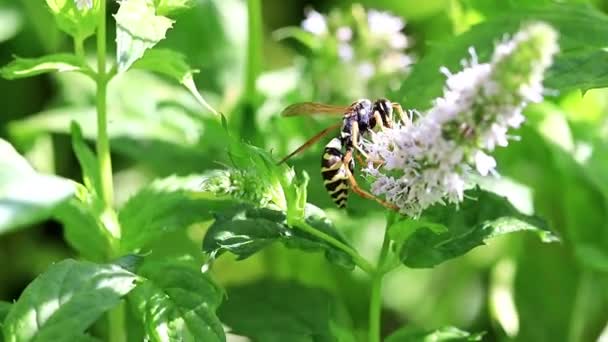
{"points": [[76, 18], [138, 28], [413, 334], [28, 67], [281, 311], [581, 28], [65, 300], [477, 220], [172, 64], [166, 205], [82, 226], [244, 230], [165, 7], [26, 196], [177, 303]]}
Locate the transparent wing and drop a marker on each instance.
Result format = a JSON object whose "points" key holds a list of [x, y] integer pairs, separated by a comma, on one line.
{"points": [[311, 141], [311, 108]]}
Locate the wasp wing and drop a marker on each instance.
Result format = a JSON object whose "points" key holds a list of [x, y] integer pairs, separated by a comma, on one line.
{"points": [[311, 141], [310, 108]]}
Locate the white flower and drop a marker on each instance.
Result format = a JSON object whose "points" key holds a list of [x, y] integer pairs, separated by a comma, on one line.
{"points": [[344, 33], [431, 160], [345, 52], [384, 23], [315, 23]]}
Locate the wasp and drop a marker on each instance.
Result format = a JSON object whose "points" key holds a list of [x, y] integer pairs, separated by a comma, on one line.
{"points": [[337, 163]]}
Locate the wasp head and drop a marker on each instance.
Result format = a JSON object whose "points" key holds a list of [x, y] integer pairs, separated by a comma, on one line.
{"points": [[384, 108]]}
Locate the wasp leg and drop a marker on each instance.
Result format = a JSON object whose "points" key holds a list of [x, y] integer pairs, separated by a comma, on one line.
{"points": [[397, 108], [357, 189], [379, 122]]}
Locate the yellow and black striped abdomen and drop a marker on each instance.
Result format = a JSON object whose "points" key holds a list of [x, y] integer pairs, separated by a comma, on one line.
{"points": [[334, 172]]}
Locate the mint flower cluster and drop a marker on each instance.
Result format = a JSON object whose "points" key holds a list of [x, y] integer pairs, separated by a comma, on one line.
{"points": [[365, 49], [437, 156]]}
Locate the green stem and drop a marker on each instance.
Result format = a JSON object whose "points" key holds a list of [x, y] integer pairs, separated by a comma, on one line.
{"points": [[584, 296], [253, 69], [103, 143], [375, 304], [79, 47], [358, 259], [116, 316]]}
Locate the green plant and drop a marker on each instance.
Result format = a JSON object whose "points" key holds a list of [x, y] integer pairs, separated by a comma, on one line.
{"points": [[139, 275]]}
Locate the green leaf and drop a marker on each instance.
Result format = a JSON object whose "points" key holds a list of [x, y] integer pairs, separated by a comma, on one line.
{"points": [[138, 28], [172, 64], [177, 303], [4, 309], [65, 300], [477, 220], [282, 311], [28, 67], [165, 7], [87, 160], [582, 29], [413, 334], [166, 205], [75, 18], [244, 230], [83, 226], [26, 196]]}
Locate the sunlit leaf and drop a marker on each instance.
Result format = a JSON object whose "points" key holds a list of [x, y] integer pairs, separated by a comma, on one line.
{"points": [[76, 18], [25, 195], [479, 219], [177, 303], [165, 7], [244, 230], [452, 334], [582, 29], [138, 28], [282, 311], [172, 64], [65, 300], [4, 309], [11, 20], [28, 67]]}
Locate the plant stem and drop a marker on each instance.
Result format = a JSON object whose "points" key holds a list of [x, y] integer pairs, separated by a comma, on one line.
{"points": [[358, 259], [584, 294], [253, 69], [116, 316], [375, 304], [103, 143], [79, 47]]}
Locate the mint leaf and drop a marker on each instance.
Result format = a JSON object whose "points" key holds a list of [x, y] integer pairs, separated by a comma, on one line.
{"points": [[172, 64], [165, 7], [28, 67], [166, 205], [82, 225], [244, 230], [26, 196], [64, 301], [87, 160], [283, 311], [413, 334], [177, 303], [75, 18], [138, 28], [4, 309], [477, 220]]}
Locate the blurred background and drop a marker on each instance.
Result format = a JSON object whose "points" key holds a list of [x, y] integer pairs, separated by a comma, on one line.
{"points": [[330, 51]]}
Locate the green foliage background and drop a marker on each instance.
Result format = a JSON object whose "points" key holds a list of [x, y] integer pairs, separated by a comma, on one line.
{"points": [[558, 171]]}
